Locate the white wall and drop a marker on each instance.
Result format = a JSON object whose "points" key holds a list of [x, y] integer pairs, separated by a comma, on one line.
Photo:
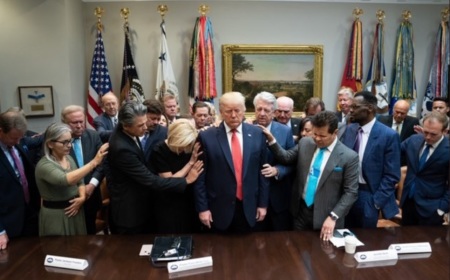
{"points": [[42, 44], [327, 24], [50, 42]]}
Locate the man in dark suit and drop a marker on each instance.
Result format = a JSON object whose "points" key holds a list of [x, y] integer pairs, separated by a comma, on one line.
{"points": [[278, 217], [130, 178], [155, 132], [425, 196], [19, 196], [378, 147], [283, 114], [232, 194], [88, 142], [345, 100], [325, 188], [105, 122], [400, 121]]}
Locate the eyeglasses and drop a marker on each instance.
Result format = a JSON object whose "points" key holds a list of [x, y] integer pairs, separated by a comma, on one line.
{"points": [[65, 142]]}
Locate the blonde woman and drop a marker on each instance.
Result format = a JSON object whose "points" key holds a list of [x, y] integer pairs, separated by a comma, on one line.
{"points": [[60, 184], [175, 212]]}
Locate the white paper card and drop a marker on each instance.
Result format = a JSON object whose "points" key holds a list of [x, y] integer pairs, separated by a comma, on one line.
{"points": [[373, 256], [338, 238], [64, 262], [146, 250], [407, 248], [189, 264]]}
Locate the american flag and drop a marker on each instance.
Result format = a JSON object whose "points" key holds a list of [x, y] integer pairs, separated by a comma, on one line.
{"points": [[100, 82]]}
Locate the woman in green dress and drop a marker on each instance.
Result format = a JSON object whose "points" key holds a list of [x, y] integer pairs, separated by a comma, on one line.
{"points": [[60, 184]]}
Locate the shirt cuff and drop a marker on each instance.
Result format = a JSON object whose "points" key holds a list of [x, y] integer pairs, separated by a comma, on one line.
{"points": [[334, 214], [440, 212], [94, 182], [272, 142], [2, 232]]}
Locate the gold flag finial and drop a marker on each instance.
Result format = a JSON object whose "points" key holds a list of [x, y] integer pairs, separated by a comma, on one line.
{"points": [[445, 13], [406, 15], [357, 12], [203, 9], [98, 12], [125, 12], [162, 9], [380, 16]]}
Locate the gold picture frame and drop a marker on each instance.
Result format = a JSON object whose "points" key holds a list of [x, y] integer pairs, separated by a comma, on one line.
{"points": [[37, 101], [291, 70]]}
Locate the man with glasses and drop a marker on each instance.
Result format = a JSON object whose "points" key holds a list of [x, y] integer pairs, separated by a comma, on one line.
{"points": [[85, 144], [283, 114]]}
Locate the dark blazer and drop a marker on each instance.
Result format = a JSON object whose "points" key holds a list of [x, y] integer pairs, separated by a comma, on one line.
{"points": [[337, 189], [13, 207], [295, 126], [380, 165], [431, 185], [104, 125], [407, 127], [91, 143], [158, 135], [339, 115], [131, 181], [215, 189], [281, 188]]}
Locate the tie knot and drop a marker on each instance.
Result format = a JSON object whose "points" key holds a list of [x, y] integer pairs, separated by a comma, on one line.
{"points": [[323, 149]]}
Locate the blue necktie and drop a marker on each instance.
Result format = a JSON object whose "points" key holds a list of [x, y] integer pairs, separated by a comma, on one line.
{"points": [[422, 161], [144, 141], [77, 150], [313, 178]]}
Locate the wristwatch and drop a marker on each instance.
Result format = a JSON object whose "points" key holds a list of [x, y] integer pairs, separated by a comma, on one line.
{"points": [[333, 217]]}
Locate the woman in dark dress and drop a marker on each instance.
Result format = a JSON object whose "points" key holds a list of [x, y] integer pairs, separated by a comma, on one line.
{"points": [[175, 212]]}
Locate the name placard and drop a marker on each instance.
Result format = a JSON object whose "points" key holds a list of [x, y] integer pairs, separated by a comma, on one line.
{"points": [[408, 248], [184, 265], [64, 262], [373, 256]]}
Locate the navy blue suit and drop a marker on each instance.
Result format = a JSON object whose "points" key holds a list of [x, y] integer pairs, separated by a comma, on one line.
{"points": [[104, 125], [278, 216], [17, 217], [381, 171], [215, 189], [431, 185], [156, 136]]}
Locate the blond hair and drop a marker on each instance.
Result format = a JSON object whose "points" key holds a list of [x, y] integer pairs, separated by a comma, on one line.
{"points": [[181, 136]]}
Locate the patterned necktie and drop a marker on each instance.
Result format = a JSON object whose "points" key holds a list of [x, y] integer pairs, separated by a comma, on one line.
{"points": [[144, 140], [237, 162], [77, 149], [397, 128], [314, 175], [23, 178], [114, 121]]}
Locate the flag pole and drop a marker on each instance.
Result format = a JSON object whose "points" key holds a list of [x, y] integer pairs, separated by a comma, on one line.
{"points": [[162, 10]]}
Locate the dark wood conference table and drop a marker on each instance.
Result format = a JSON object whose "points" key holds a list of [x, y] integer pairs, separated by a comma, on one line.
{"points": [[271, 255]]}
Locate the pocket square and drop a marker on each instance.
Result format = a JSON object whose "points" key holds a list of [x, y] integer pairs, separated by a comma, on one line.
{"points": [[337, 169]]}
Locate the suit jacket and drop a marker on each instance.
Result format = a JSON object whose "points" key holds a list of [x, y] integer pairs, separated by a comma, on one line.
{"points": [[380, 164], [12, 203], [407, 127], [104, 125], [90, 144], [158, 135], [215, 189], [337, 188], [281, 187], [431, 185], [295, 126], [130, 181]]}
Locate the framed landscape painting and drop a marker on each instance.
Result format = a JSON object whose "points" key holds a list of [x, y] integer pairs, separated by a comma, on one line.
{"points": [[284, 70]]}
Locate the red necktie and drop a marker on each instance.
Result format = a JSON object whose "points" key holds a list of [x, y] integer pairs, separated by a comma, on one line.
{"points": [[237, 162], [23, 178]]}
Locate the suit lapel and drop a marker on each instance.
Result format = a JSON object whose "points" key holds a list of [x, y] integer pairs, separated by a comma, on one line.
{"points": [[373, 136], [7, 165], [223, 143], [441, 149], [247, 146], [332, 162]]}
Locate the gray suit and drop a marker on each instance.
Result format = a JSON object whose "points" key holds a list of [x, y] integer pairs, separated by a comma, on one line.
{"points": [[337, 189]]}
